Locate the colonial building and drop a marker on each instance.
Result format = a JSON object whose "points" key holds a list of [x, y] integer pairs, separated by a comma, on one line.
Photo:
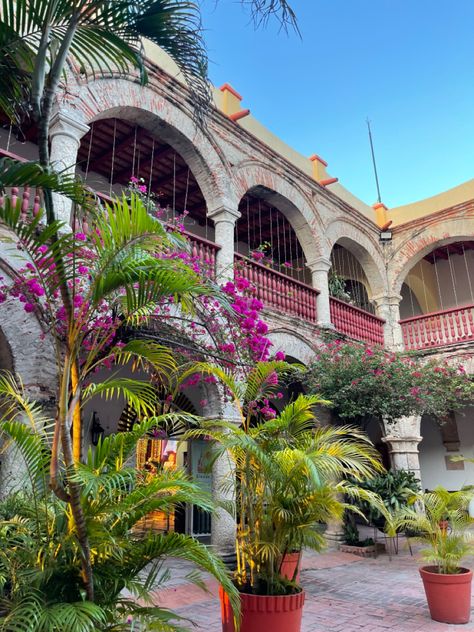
{"points": [[407, 270]]}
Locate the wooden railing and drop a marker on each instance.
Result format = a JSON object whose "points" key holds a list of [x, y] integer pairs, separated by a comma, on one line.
{"points": [[203, 249], [277, 290], [30, 197], [446, 327], [355, 322]]}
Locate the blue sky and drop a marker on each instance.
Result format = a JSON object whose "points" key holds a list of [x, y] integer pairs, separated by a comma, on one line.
{"points": [[408, 65]]}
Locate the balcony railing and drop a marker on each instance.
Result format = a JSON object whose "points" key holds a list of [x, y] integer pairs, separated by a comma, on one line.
{"points": [[355, 322], [437, 329], [277, 290]]}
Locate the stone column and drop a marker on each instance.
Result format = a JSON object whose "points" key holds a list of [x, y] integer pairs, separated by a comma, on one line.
{"points": [[319, 271], [388, 308], [403, 438], [334, 533], [223, 529], [223, 523], [65, 132], [224, 221]]}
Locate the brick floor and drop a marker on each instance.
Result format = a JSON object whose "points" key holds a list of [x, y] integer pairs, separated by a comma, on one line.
{"points": [[344, 593]]}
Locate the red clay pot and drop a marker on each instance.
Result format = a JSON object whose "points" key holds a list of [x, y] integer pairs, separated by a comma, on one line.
{"points": [[261, 613], [448, 596], [291, 562]]}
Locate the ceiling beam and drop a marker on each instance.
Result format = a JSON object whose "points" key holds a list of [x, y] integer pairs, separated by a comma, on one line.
{"points": [[124, 142]]}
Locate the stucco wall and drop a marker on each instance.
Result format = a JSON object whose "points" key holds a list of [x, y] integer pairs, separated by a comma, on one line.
{"points": [[433, 453]]}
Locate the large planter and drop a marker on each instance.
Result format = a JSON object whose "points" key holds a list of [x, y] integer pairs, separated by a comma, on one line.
{"points": [[261, 613], [448, 596], [290, 564]]}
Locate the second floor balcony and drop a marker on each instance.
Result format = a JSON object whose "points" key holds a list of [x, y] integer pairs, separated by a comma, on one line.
{"points": [[437, 309]]}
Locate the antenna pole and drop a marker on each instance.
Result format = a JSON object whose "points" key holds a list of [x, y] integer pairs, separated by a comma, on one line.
{"points": [[379, 199]]}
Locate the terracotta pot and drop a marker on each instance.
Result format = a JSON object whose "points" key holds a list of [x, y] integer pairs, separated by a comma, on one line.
{"points": [[291, 562], [448, 596], [261, 613]]}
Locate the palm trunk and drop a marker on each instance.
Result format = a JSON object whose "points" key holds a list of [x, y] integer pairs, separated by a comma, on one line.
{"points": [[63, 428]]}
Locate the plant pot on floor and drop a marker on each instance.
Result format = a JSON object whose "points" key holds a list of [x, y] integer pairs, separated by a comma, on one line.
{"points": [[275, 613], [448, 596], [291, 564]]}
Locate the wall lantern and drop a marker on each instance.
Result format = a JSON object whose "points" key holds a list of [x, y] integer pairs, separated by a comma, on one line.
{"points": [[385, 235], [97, 432]]}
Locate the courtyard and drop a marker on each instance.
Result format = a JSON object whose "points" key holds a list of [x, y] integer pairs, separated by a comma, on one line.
{"points": [[343, 593]]}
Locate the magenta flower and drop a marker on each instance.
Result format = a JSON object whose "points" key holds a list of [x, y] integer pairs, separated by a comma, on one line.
{"points": [[279, 356], [80, 237], [29, 307]]}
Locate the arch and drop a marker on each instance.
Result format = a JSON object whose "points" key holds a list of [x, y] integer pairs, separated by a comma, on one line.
{"points": [[6, 356], [292, 345], [287, 198], [413, 248], [365, 249], [121, 98], [27, 350]]}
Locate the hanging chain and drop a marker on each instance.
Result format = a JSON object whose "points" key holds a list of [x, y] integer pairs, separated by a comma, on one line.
{"points": [[174, 183], [437, 282], [91, 136], [150, 179], [134, 151], [467, 273], [113, 157], [186, 192], [410, 293], [453, 278]]}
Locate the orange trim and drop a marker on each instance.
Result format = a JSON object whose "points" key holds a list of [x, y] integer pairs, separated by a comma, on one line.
{"points": [[236, 116], [327, 181], [229, 88], [319, 159], [387, 225], [379, 205]]}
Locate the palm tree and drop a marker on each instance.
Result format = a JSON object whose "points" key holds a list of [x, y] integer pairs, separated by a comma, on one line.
{"points": [[116, 277], [40, 562], [290, 472]]}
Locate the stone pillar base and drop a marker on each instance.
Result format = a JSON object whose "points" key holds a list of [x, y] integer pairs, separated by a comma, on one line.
{"points": [[334, 534]]}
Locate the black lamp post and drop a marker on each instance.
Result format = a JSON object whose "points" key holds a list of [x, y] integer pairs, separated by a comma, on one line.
{"points": [[96, 429]]}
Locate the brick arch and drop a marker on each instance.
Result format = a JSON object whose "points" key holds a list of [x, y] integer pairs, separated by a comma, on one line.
{"points": [[412, 248], [365, 248], [287, 198], [24, 348], [292, 345], [105, 98]]}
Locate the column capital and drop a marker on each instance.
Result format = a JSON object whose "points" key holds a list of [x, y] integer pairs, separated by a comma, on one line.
{"points": [[320, 264], [224, 214], [387, 299], [405, 445], [67, 123]]}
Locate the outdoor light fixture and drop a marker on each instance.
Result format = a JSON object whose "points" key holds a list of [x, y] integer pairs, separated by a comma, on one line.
{"points": [[385, 235], [96, 429]]}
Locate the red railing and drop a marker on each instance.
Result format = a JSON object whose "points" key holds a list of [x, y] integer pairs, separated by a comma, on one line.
{"points": [[278, 291], [447, 327], [355, 322], [203, 249], [30, 198]]}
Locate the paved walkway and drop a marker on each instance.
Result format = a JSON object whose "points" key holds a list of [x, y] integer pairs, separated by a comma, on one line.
{"points": [[344, 593]]}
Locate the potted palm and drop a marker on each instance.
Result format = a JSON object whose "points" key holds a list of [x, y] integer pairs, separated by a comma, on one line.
{"points": [[287, 470], [442, 523]]}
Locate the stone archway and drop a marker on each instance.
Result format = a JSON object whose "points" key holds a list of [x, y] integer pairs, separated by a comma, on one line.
{"points": [[411, 248], [147, 107], [289, 199], [364, 246]]}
